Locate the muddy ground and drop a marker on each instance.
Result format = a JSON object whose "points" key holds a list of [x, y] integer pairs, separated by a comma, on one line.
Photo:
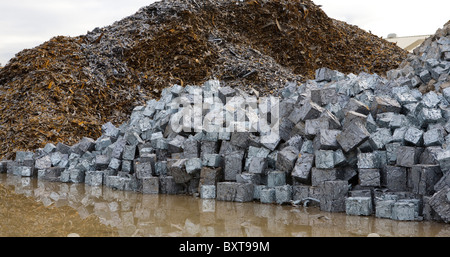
{"points": [[22, 216]]}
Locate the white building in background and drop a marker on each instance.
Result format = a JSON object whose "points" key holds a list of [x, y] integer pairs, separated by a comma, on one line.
{"points": [[407, 43]]}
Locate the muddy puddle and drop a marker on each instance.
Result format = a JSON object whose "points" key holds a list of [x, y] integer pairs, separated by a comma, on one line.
{"points": [[132, 214]]}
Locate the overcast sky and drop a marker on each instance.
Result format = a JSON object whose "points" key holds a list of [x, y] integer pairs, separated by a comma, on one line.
{"points": [[28, 23]]}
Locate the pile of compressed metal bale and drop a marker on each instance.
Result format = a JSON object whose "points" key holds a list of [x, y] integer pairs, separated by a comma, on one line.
{"points": [[68, 87], [360, 144]]}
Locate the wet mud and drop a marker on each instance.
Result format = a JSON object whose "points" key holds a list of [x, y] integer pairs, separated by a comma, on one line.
{"points": [[29, 207]]}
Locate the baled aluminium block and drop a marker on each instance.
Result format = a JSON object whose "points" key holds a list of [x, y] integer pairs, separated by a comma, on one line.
{"points": [[168, 185], [233, 165], [143, 169], [77, 176], [207, 191], [178, 171], [313, 126], [383, 208], [440, 202], [193, 165], [383, 104], [150, 185], [404, 211], [43, 162], [324, 159], [414, 136], [191, 148], [333, 194], [283, 194], [369, 177], [129, 152], [408, 156], [94, 178], [210, 176], [321, 175], [380, 138], [246, 177], [309, 111], [212, 160], [267, 195], [353, 136], [303, 167], [368, 160], [422, 178], [258, 165], [51, 174], [234, 192], [443, 159], [23, 171], [358, 206], [433, 137], [276, 178], [286, 159], [396, 178], [326, 140]]}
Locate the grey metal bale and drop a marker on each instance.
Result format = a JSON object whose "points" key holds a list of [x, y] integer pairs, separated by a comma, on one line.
{"points": [[233, 165], [422, 178], [313, 126], [358, 206], [404, 211], [383, 208], [212, 160], [234, 192], [267, 195], [94, 178], [258, 165], [251, 178], [324, 159], [414, 136], [396, 178], [309, 111], [303, 167], [193, 165], [408, 156], [369, 161], [443, 159], [333, 194], [177, 170], [168, 185], [369, 177], [276, 178], [150, 185], [286, 158], [383, 104], [380, 138], [207, 191], [283, 194], [353, 136], [440, 202], [326, 140], [321, 175], [211, 176]]}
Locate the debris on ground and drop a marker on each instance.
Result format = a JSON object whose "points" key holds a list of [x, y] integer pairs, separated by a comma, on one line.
{"points": [[66, 88]]}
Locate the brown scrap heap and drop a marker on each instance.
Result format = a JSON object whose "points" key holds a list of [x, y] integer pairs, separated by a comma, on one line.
{"points": [[67, 87]]}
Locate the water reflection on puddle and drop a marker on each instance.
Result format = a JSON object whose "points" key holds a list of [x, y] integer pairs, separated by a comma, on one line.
{"points": [[134, 214]]}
